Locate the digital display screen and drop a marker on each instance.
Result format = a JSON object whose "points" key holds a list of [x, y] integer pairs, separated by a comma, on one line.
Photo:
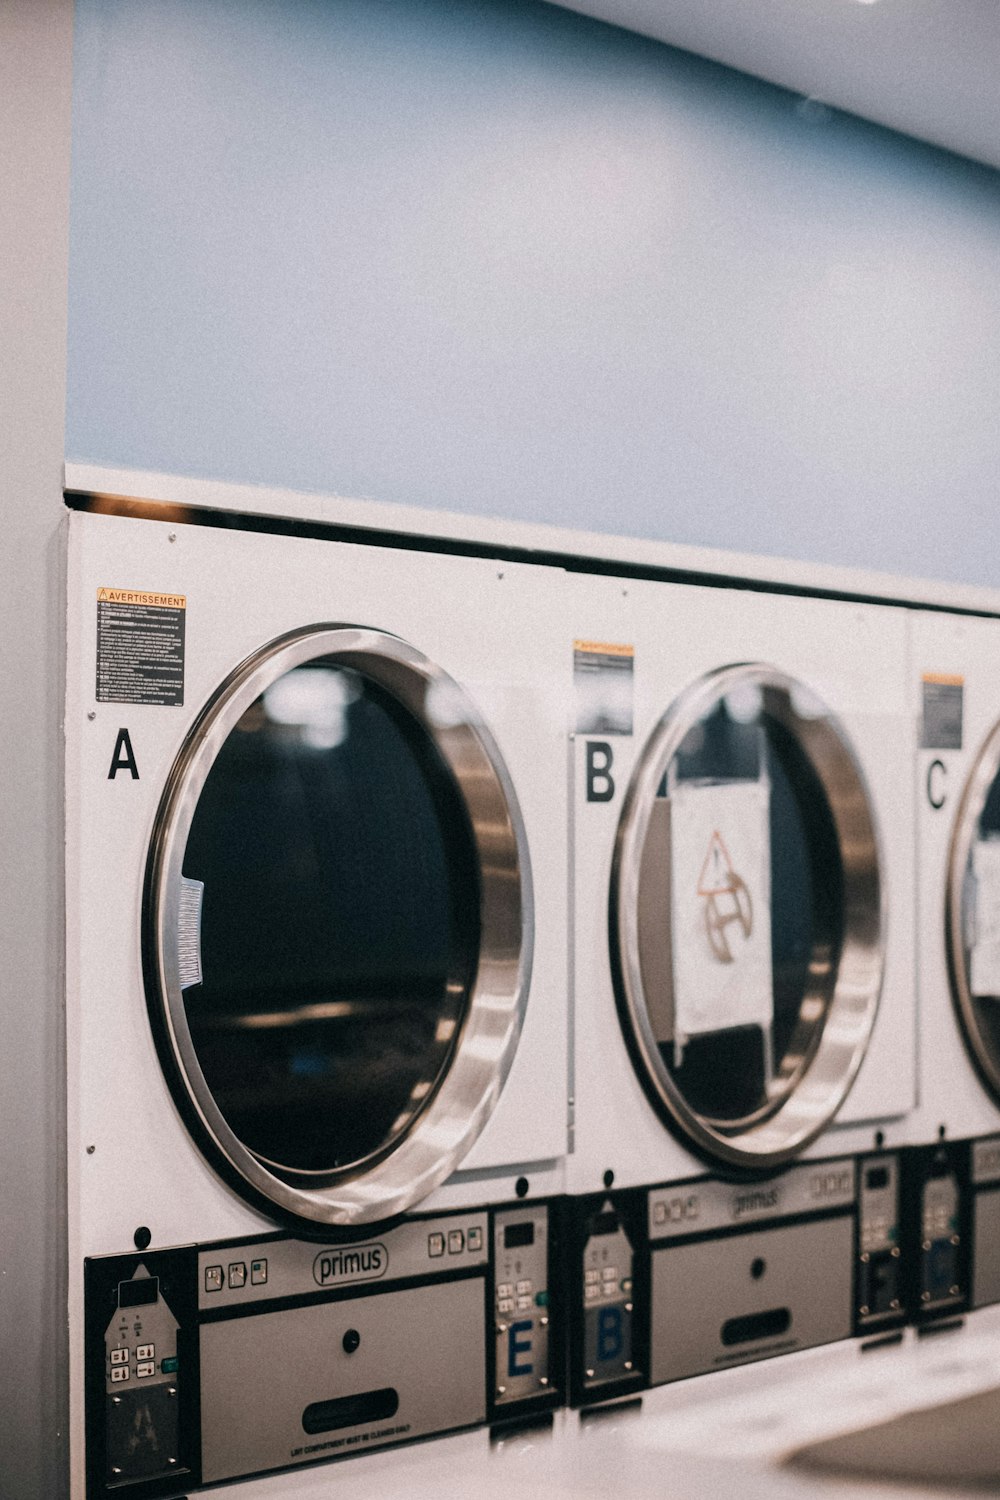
{"points": [[877, 1177], [516, 1236], [138, 1293]]}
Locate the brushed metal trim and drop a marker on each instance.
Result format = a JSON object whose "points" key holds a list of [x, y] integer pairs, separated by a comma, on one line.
{"points": [[442, 1134], [816, 1082], [977, 788]]}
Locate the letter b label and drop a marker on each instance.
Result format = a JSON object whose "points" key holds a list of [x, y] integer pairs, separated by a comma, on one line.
{"points": [[600, 782]]}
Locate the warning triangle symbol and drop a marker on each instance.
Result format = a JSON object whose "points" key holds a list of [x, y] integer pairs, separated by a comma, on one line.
{"points": [[717, 875], [102, 596]]}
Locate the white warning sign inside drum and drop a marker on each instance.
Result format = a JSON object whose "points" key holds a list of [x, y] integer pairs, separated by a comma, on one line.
{"points": [[140, 647], [720, 907]]}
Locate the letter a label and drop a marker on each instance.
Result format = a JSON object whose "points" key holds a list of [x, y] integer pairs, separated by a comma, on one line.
{"points": [[124, 757]]}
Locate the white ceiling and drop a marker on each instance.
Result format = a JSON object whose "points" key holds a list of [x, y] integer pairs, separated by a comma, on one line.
{"points": [[930, 68]]}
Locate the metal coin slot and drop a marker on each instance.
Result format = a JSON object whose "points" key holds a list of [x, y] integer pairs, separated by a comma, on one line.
{"points": [[350, 1411], [755, 1326]]}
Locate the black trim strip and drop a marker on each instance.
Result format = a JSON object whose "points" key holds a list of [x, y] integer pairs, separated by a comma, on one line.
{"points": [[233, 520]]}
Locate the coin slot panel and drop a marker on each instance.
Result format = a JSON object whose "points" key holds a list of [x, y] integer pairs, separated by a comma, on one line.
{"points": [[754, 1326], [350, 1411]]}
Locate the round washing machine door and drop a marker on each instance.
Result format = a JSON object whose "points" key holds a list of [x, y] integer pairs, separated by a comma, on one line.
{"points": [[746, 916], [973, 912], [337, 926]]}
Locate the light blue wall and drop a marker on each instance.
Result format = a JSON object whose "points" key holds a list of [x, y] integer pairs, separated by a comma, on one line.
{"points": [[496, 258]]}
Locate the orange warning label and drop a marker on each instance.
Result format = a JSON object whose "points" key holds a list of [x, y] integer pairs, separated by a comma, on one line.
{"points": [[601, 648], [944, 679], [143, 597]]}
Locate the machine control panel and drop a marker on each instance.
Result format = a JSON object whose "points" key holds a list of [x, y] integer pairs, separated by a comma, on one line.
{"points": [[707, 1204], [141, 1383], [244, 1275], [213, 1362], [521, 1304], [880, 1294], [608, 1299], [940, 1239], [939, 1206]]}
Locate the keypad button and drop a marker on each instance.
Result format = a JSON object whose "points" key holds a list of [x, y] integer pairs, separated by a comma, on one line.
{"points": [[435, 1244], [505, 1304], [523, 1287], [474, 1238], [592, 1293], [213, 1279], [119, 1356], [258, 1272], [119, 1373], [146, 1369], [609, 1273], [590, 1276], [237, 1274], [146, 1351], [456, 1241], [505, 1289], [523, 1303], [659, 1213]]}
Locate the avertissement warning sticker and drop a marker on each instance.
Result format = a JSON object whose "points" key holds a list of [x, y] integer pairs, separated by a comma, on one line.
{"points": [[602, 684], [140, 647], [941, 720]]}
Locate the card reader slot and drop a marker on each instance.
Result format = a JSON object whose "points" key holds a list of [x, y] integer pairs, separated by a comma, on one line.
{"points": [[350, 1411]]}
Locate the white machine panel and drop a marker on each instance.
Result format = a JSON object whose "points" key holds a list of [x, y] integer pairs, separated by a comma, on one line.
{"points": [[850, 660], [169, 621]]}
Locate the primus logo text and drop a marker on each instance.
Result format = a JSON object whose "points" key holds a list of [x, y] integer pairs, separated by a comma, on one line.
{"points": [[351, 1263], [755, 1201]]}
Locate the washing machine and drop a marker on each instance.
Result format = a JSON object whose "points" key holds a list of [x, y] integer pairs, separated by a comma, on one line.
{"points": [[744, 1069], [316, 997], [956, 1186]]}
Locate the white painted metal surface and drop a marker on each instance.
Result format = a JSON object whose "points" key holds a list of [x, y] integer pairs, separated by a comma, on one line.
{"points": [[853, 657], [492, 628], [176, 493]]}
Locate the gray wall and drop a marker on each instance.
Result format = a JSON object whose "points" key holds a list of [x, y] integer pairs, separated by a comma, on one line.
{"points": [[35, 58], [491, 256]]}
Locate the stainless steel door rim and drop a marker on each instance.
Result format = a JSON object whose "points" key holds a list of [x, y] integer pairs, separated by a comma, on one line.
{"points": [[838, 1008], [443, 1131], [984, 1048]]}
